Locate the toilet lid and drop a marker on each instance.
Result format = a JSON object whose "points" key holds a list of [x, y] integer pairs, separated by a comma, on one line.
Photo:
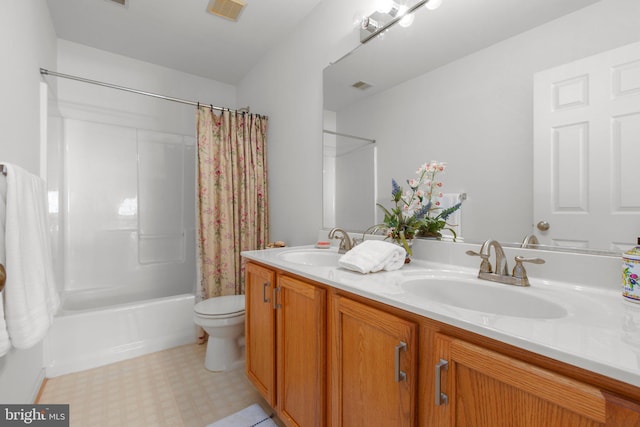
{"points": [[220, 306]]}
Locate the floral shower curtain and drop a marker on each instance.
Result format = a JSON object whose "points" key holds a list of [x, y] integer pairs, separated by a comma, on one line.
{"points": [[232, 196]]}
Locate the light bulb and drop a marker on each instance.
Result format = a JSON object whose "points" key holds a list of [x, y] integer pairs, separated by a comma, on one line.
{"points": [[433, 4], [407, 20], [358, 19], [384, 6]]}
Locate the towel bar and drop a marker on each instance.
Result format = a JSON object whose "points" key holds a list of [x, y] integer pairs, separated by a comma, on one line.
{"points": [[3, 277]]}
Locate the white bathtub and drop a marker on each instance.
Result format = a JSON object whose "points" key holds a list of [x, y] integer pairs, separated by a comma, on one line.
{"points": [[98, 327]]}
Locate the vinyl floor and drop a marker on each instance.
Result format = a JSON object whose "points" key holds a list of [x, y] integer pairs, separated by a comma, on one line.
{"points": [[169, 388]]}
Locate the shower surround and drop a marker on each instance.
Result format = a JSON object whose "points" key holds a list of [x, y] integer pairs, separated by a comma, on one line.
{"points": [[121, 176], [128, 244]]}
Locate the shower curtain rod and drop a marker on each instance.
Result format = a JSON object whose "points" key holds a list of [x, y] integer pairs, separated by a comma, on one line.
{"points": [[140, 92], [373, 141]]}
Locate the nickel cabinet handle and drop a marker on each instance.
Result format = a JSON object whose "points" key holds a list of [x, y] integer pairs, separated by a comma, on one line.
{"points": [[265, 285], [399, 375], [276, 305], [441, 398]]}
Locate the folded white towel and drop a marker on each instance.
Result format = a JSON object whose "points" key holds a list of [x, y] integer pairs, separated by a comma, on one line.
{"points": [[373, 255], [5, 344], [31, 298]]}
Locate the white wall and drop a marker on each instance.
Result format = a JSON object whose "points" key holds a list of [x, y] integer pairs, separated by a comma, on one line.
{"points": [[286, 85], [27, 42]]}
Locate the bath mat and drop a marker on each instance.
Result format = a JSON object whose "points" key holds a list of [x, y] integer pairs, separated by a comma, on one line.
{"points": [[252, 416]]}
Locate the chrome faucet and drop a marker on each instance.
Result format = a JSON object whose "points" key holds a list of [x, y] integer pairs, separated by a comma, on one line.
{"points": [[501, 259], [531, 241], [501, 274], [345, 242]]}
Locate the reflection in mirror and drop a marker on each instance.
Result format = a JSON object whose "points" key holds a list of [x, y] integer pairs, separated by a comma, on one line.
{"points": [[458, 86], [349, 190]]}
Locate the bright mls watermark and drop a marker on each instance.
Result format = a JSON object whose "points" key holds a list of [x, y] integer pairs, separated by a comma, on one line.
{"points": [[34, 415]]}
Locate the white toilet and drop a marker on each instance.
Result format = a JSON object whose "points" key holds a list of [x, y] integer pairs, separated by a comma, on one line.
{"points": [[223, 319]]}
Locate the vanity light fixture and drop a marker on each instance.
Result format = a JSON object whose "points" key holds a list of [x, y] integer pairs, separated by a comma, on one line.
{"points": [[394, 9], [388, 13], [370, 25], [407, 20]]}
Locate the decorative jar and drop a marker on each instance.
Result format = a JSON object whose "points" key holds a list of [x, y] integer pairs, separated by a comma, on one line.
{"points": [[631, 274]]}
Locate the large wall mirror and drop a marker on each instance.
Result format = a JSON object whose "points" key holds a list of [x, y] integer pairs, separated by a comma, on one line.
{"points": [[470, 84]]}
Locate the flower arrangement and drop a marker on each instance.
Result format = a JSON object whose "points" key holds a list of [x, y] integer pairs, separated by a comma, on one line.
{"points": [[417, 211]]}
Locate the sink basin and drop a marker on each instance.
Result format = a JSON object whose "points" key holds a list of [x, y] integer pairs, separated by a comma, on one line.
{"points": [[312, 257], [473, 294]]}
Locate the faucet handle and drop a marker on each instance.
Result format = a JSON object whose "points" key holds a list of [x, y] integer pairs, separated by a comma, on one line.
{"points": [[345, 242], [485, 265], [519, 271]]}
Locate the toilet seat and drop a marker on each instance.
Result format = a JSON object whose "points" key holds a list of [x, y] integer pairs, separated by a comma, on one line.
{"points": [[221, 307]]}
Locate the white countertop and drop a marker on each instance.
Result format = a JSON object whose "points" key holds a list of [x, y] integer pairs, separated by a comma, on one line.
{"points": [[600, 333]]}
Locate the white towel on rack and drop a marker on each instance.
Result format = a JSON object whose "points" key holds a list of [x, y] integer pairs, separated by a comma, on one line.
{"points": [[5, 343], [373, 255], [31, 297]]}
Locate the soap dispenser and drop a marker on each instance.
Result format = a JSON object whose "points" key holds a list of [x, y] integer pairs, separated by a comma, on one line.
{"points": [[631, 274]]}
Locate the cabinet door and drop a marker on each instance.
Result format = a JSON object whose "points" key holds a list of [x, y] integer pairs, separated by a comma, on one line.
{"points": [[301, 338], [260, 331], [373, 367], [483, 388], [621, 412]]}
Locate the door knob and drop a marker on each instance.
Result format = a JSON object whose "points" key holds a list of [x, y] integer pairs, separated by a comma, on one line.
{"points": [[543, 226]]}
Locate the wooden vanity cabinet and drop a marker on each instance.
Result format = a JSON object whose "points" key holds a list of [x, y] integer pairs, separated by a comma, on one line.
{"points": [[286, 344], [480, 387], [301, 352], [325, 357], [260, 330], [373, 366]]}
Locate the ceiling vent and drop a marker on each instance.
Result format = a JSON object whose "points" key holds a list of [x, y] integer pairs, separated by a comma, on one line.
{"points": [[229, 9], [361, 85]]}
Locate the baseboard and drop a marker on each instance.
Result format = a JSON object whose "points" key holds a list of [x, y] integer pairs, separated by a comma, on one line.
{"points": [[38, 387]]}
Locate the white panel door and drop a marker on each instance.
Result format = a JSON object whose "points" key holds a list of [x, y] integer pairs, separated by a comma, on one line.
{"points": [[587, 151]]}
